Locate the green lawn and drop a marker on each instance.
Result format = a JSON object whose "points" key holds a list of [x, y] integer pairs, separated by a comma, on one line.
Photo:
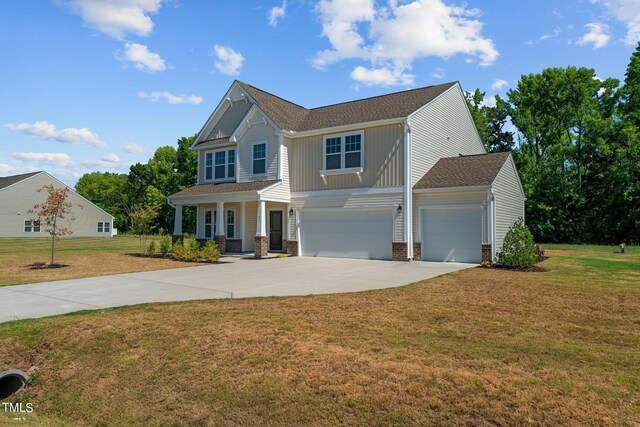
{"points": [[84, 257], [476, 347]]}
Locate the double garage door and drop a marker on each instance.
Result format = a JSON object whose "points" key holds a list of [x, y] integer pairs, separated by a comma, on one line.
{"points": [[365, 234], [453, 235]]}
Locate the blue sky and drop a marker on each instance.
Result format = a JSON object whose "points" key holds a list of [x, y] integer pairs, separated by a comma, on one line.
{"points": [[97, 85]]}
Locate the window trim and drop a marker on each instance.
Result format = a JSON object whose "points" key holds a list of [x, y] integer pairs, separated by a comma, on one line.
{"points": [[104, 227], [211, 224], [343, 146], [235, 223], [266, 156], [226, 178], [32, 226]]}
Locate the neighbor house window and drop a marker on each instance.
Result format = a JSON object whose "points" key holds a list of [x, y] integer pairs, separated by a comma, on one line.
{"points": [[259, 166], [31, 226], [231, 223], [104, 227], [107, 227], [343, 151], [220, 165], [208, 217]]}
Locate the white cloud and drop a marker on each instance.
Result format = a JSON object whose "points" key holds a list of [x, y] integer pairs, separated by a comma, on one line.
{"points": [[547, 36], [46, 130], [391, 37], [142, 58], [499, 84], [381, 76], [277, 12], [628, 12], [6, 169], [116, 17], [439, 73], [60, 160], [132, 148], [108, 161], [228, 61], [598, 35], [489, 101], [171, 98]]}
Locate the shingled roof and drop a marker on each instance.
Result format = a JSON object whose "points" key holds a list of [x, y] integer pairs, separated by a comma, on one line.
{"points": [[463, 171], [228, 187], [14, 179], [290, 116]]}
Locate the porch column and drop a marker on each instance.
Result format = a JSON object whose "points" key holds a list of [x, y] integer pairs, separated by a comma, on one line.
{"points": [[177, 226], [220, 236], [261, 231]]}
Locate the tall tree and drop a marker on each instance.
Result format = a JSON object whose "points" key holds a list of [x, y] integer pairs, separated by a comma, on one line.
{"points": [[105, 190], [491, 121]]}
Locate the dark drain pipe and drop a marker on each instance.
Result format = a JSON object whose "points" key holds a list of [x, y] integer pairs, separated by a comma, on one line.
{"points": [[12, 381]]}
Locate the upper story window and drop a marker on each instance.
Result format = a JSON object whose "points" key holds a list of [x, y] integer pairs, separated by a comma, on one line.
{"points": [[343, 151], [220, 165], [259, 159]]}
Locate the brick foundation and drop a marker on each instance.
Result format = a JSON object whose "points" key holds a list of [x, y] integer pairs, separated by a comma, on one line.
{"points": [[486, 252], [399, 251], [234, 245], [417, 251], [176, 237], [222, 244], [261, 246], [291, 247]]}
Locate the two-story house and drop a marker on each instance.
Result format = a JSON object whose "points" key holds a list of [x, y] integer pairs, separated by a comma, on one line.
{"points": [[400, 176]]}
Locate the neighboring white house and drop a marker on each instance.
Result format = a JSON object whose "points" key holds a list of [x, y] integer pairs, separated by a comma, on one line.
{"points": [[19, 193], [400, 176]]}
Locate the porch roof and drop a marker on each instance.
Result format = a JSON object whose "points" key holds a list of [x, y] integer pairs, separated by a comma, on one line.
{"points": [[223, 188]]}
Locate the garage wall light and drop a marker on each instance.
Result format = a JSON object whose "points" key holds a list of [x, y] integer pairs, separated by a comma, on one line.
{"points": [[399, 208]]}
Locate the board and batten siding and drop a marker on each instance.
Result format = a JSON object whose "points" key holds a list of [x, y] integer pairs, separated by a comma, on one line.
{"points": [[257, 133], [229, 120], [509, 200], [443, 199], [383, 161], [18, 199], [444, 128], [388, 201]]}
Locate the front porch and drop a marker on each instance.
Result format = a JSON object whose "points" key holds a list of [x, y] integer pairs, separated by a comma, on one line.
{"points": [[238, 225]]}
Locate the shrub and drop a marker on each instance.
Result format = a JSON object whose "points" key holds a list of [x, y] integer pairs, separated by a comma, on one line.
{"points": [[183, 253], [486, 264], [209, 252], [165, 244], [518, 248], [151, 248]]}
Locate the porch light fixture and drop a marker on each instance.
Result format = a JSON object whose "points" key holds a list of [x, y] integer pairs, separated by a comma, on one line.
{"points": [[291, 211], [399, 208]]}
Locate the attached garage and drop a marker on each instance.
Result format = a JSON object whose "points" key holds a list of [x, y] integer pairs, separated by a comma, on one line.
{"points": [[357, 233], [452, 235]]}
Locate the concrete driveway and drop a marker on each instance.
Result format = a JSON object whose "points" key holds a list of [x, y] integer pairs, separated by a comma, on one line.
{"points": [[234, 277]]}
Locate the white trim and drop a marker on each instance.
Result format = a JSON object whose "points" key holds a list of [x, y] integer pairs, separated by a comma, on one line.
{"points": [[226, 165], [266, 156], [455, 189], [243, 220], [350, 208], [343, 147], [348, 191], [452, 206], [225, 100], [343, 128], [215, 147], [275, 199], [408, 195], [280, 156], [246, 123]]}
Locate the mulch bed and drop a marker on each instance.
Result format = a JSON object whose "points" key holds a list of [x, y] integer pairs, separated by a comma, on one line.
{"points": [[43, 265]]}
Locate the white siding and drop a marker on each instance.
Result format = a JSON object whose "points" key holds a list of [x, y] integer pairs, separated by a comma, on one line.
{"points": [[282, 190], [444, 128], [257, 133], [447, 198], [250, 223], [353, 201], [509, 200], [16, 200]]}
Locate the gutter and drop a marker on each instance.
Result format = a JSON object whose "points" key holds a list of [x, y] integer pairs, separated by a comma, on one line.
{"points": [[338, 129], [408, 195]]}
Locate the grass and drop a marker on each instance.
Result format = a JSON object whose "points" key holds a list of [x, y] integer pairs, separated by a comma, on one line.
{"points": [[84, 257], [476, 347]]}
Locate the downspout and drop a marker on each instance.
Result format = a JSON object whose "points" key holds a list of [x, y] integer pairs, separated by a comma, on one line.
{"points": [[408, 196], [492, 223]]}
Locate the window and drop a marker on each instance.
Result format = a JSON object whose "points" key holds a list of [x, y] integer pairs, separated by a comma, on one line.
{"points": [[259, 166], [31, 226], [343, 152], [107, 227], [220, 165], [208, 215], [104, 227], [231, 223]]}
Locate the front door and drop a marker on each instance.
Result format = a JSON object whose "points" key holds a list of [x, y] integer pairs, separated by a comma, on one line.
{"points": [[275, 230]]}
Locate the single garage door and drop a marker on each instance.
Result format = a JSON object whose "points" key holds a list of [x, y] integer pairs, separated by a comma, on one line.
{"points": [[452, 235], [363, 234]]}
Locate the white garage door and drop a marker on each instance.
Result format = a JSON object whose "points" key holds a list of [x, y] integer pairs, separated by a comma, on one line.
{"points": [[452, 235], [347, 234]]}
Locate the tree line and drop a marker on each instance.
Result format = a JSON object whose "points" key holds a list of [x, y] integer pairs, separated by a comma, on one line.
{"points": [[575, 138]]}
